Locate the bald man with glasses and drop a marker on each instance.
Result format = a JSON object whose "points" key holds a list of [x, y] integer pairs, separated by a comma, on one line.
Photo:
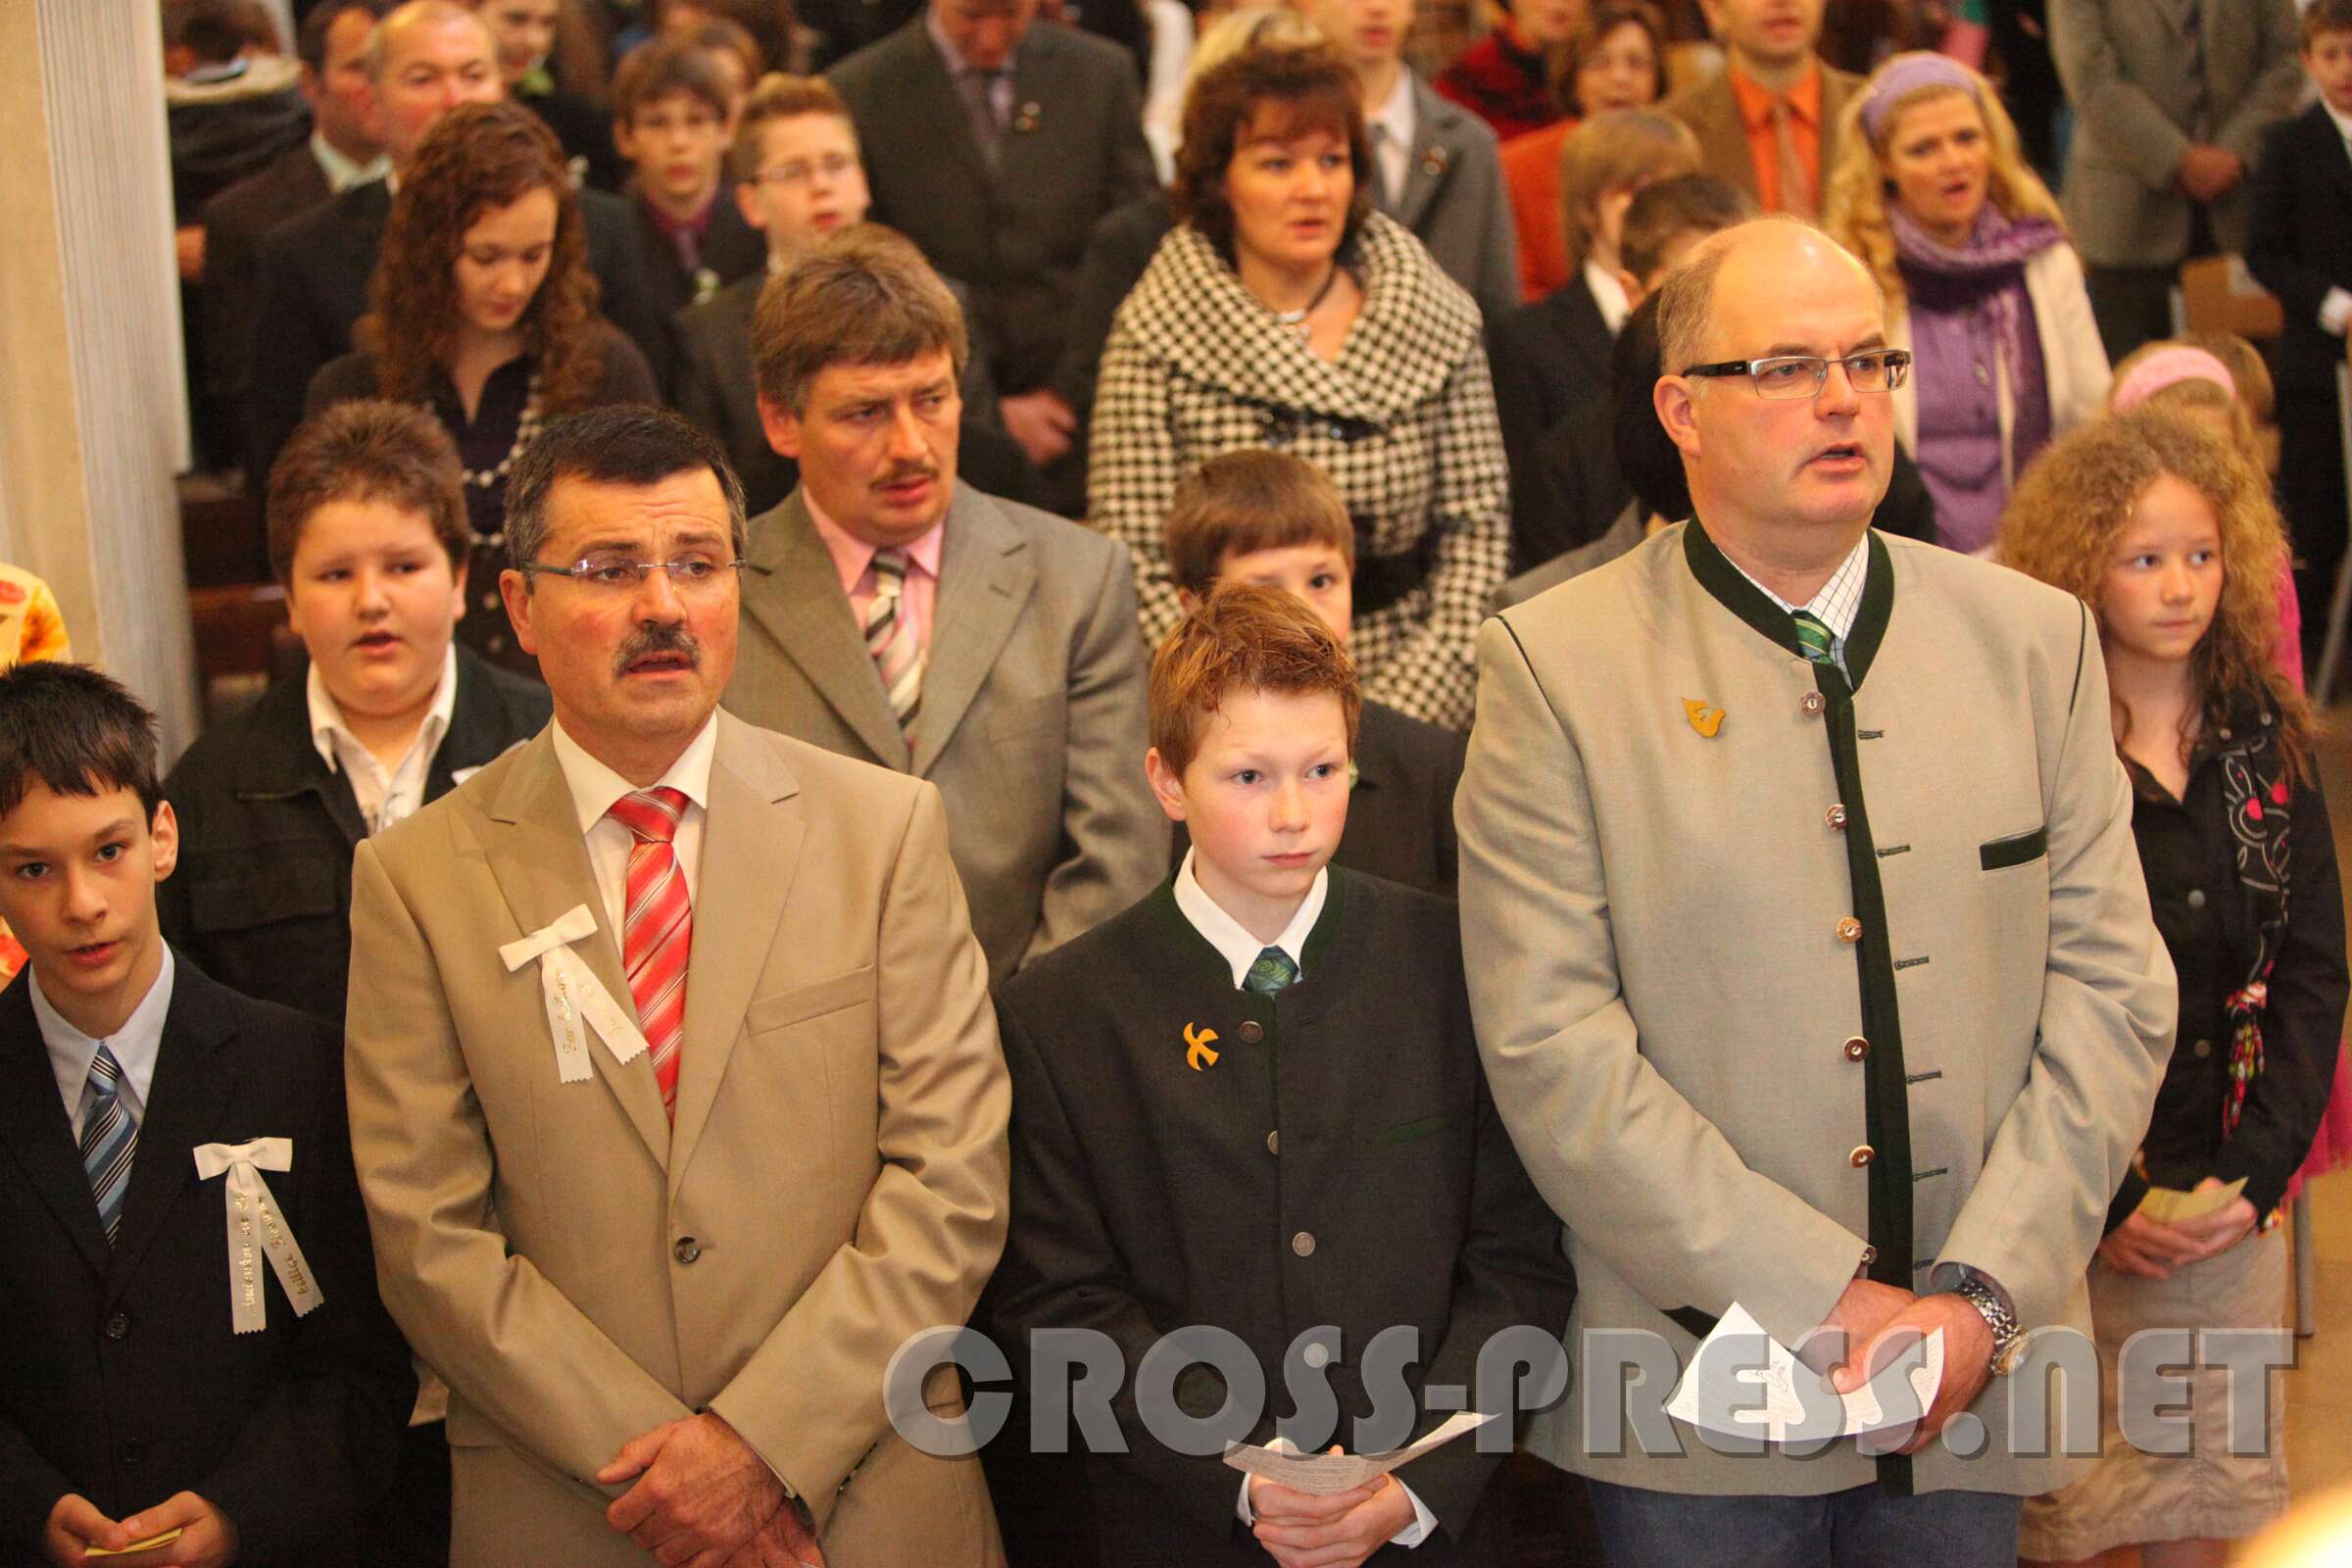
{"points": [[1807, 943]]}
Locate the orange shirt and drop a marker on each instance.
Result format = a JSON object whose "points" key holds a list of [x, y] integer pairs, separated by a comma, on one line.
{"points": [[1531, 174], [1804, 130]]}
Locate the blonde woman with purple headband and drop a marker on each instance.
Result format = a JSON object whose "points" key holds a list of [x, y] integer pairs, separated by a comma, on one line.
{"points": [[1931, 191]]}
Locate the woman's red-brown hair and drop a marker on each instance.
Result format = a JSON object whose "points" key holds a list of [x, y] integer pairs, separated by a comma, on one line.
{"points": [[479, 157]]}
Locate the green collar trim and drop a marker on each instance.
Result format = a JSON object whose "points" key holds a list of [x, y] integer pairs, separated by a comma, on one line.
{"points": [[1731, 588]]}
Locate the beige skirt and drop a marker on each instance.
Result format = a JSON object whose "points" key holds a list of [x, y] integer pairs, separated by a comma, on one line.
{"points": [[2207, 1493]]}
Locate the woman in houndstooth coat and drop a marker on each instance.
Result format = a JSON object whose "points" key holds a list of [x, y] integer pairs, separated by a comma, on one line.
{"points": [[1285, 312]]}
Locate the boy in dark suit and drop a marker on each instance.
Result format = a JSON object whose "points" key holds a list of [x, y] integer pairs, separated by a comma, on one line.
{"points": [[1274, 519], [1252, 1102], [2301, 250], [152, 1383], [671, 113], [367, 536]]}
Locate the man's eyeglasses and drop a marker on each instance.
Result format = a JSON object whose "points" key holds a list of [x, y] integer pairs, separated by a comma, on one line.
{"points": [[800, 171], [610, 574], [1801, 376]]}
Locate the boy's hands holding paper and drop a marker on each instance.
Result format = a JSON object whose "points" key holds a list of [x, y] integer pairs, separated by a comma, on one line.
{"points": [[183, 1531], [1335, 1530]]}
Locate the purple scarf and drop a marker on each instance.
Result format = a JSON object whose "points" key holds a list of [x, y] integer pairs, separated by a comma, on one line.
{"points": [[1968, 306]]}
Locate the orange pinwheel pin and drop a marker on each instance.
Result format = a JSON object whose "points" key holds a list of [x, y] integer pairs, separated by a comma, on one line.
{"points": [[1704, 719], [1197, 1054]]}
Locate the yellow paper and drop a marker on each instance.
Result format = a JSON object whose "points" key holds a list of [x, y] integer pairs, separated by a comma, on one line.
{"points": [[151, 1544], [2169, 1205]]}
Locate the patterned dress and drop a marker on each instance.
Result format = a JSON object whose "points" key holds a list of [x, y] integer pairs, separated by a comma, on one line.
{"points": [[1403, 423]]}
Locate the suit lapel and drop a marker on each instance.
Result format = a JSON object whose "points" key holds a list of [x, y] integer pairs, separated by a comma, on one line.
{"points": [[1432, 159], [795, 595], [751, 848], [935, 105], [1029, 146], [187, 1105], [985, 578], [35, 1131], [535, 851]]}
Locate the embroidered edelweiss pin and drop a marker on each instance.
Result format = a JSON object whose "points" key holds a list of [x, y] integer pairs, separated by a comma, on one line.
{"points": [[1197, 1054], [1704, 719]]}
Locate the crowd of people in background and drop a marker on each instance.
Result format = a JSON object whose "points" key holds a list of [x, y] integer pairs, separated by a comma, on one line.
{"points": [[1301, 666]]}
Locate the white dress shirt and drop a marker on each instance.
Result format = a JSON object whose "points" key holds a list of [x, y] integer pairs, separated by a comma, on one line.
{"points": [[2335, 308], [341, 170], [1240, 949], [1232, 940], [1609, 295], [1394, 124], [134, 1046], [386, 795], [595, 787]]}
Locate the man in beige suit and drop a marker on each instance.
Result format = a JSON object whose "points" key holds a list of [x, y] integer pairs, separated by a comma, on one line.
{"points": [[897, 615], [674, 1089], [1806, 940], [1767, 122]]}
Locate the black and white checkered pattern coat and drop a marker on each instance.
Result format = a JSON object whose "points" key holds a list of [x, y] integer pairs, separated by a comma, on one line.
{"points": [[1403, 423]]}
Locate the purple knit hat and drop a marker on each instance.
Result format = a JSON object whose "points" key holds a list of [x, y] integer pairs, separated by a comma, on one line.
{"points": [[1906, 74]]}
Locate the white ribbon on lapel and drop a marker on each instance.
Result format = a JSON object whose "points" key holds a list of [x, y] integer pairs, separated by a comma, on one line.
{"points": [[256, 1225], [574, 993]]}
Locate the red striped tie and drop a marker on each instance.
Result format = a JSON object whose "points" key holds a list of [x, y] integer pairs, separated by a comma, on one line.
{"points": [[658, 930]]}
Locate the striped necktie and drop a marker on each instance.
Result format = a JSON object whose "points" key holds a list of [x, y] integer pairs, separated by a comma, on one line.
{"points": [[1272, 971], [109, 1140], [1814, 633], [892, 641], [1796, 184], [658, 929]]}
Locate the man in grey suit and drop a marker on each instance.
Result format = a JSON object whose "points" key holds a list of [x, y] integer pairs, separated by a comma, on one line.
{"points": [[2172, 100], [894, 615], [1864, 1061], [996, 145], [1440, 173]]}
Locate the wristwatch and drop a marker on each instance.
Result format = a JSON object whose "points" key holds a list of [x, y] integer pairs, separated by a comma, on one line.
{"points": [[2008, 1340]]}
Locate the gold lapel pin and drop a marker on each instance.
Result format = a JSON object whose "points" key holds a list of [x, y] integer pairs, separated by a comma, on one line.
{"points": [[1028, 119], [1704, 719], [1197, 1054], [1433, 161]]}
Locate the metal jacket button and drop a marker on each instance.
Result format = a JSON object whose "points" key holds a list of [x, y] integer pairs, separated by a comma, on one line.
{"points": [[1251, 1031], [1856, 1048], [1303, 1244], [1849, 929], [1862, 1155], [1812, 703], [1835, 817], [687, 1250]]}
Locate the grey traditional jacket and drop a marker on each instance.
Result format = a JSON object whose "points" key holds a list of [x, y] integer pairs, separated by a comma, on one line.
{"points": [[1778, 979]]}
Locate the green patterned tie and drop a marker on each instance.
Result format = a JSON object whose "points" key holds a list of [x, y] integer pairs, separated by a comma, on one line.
{"points": [[1271, 972], [1814, 633]]}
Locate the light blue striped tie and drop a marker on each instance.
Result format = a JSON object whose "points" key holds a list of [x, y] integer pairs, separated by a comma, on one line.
{"points": [[109, 1139]]}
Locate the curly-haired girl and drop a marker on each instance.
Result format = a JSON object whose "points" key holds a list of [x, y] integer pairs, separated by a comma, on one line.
{"points": [[2172, 540], [483, 310]]}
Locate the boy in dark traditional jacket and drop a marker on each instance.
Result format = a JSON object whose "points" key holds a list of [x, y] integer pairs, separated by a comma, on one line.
{"points": [[1254, 1101]]}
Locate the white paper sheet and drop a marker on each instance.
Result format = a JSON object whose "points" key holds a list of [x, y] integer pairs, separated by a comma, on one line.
{"points": [[1323, 1474], [1725, 1390]]}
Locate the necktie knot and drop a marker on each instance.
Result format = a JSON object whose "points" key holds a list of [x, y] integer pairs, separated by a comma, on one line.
{"points": [[1271, 972], [1814, 634], [890, 571], [652, 816]]}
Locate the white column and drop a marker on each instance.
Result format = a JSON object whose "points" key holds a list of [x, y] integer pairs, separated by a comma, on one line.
{"points": [[93, 419]]}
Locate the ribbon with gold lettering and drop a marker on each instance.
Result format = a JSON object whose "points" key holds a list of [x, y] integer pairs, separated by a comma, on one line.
{"points": [[258, 1229], [574, 995]]}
